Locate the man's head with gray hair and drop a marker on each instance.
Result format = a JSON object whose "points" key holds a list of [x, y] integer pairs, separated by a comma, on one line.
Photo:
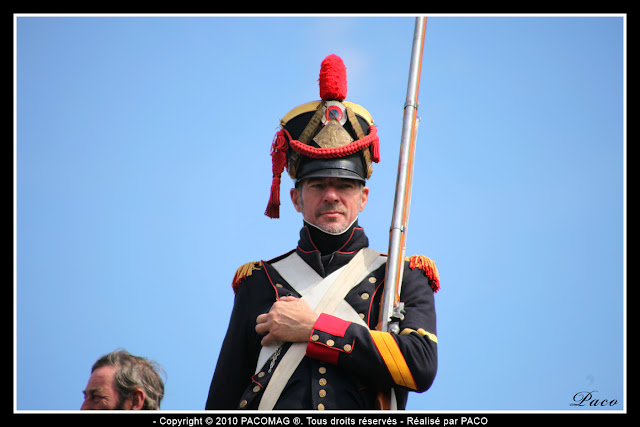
{"points": [[120, 380]]}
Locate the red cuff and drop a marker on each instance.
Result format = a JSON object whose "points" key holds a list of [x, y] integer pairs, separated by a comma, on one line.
{"points": [[323, 348], [331, 325]]}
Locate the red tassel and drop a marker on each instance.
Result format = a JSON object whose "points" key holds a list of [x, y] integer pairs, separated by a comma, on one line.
{"points": [[273, 208], [333, 79], [279, 149], [375, 145]]}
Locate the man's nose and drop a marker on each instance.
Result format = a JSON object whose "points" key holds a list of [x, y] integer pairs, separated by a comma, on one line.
{"points": [[331, 194]]}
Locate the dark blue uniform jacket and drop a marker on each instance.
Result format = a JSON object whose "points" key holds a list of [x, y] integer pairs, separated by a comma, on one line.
{"points": [[346, 364]]}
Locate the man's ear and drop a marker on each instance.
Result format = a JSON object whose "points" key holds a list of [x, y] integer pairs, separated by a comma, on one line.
{"points": [[137, 398], [295, 198], [365, 198]]}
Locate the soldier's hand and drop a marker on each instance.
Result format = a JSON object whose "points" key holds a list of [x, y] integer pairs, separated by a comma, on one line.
{"points": [[289, 319]]}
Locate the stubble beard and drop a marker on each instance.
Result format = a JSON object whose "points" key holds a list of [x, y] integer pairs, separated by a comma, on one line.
{"points": [[331, 228]]}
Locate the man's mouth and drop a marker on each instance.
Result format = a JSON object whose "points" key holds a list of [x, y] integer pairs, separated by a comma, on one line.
{"points": [[331, 213]]}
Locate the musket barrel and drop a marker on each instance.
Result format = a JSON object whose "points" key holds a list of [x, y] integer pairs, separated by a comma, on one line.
{"points": [[391, 308]]}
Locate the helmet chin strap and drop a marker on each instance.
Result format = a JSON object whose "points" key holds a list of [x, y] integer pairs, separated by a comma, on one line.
{"points": [[329, 232]]}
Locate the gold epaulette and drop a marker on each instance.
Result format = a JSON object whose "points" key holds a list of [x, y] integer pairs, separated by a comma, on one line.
{"points": [[243, 272], [424, 263]]}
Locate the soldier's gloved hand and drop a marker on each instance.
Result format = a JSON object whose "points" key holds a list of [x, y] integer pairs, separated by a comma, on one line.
{"points": [[289, 319]]}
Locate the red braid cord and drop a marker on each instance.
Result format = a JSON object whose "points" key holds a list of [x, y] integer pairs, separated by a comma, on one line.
{"points": [[370, 140]]}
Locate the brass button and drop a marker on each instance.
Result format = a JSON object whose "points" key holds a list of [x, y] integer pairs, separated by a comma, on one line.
{"points": [[330, 343], [347, 348], [278, 285], [322, 370], [314, 337], [372, 280], [256, 389], [364, 296], [322, 393], [243, 403], [322, 382], [361, 315], [321, 407], [261, 374]]}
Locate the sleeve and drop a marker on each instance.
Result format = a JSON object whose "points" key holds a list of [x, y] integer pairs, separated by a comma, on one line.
{"points": [[237, 359], [408, 360]]}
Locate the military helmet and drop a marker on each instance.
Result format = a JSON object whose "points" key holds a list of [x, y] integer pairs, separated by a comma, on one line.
{"points": [[327, 138]]}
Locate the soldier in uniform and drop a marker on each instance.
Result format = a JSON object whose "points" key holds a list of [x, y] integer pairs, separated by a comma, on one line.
{"points": [[302, 333]]}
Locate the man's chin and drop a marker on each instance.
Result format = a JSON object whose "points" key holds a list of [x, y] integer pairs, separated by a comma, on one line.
{"points": [[333, 228]]}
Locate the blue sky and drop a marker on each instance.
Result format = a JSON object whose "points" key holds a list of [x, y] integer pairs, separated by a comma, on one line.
{"points": [[142, 171]]}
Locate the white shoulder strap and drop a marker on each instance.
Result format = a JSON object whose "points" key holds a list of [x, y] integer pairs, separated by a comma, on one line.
{"points": [[362, 264], [303, 279], [312, 287]]}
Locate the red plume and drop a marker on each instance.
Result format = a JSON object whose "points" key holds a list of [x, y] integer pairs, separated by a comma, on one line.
{"points": [[333, 79]]}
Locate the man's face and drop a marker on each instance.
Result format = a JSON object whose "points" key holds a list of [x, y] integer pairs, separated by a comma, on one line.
{"points": [[331, 204], [101, 392]]}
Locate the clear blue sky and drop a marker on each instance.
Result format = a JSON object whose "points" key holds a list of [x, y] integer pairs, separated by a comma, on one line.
{"points": [[142, 172]]}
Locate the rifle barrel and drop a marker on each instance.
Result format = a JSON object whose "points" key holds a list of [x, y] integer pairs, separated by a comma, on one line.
{"points": [[392, 307]]}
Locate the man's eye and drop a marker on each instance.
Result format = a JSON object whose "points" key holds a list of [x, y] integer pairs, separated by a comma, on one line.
{"points": [[347, 187]]}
